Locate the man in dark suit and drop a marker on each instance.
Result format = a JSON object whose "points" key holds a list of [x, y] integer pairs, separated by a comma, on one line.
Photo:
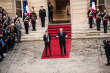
{"points": [[47, 41], [62, 41], [42, 15], [107, 50], [50, 11]]}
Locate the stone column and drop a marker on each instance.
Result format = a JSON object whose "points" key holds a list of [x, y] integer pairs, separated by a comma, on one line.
{"points": [[108, 6], [37, 4], [79, 19]]}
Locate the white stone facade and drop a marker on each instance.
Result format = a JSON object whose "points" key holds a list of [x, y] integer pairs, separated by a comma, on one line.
{"points": [[79, 19]]}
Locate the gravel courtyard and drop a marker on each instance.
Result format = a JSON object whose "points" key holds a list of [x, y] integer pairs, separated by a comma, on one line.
{"points": [[87, 56]]}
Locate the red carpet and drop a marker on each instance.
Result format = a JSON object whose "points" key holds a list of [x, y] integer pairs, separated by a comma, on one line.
{"points": [[55, 47]]}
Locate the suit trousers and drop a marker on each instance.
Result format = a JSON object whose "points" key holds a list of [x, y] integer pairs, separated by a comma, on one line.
{"points": [[47, 46], [62, 45]]}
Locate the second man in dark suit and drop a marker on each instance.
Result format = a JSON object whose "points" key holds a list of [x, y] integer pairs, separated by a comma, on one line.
{"points": [[47, 41], [42, 15]]}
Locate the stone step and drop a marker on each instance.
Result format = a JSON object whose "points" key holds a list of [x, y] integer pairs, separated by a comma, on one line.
{"points": [[33, 35]]}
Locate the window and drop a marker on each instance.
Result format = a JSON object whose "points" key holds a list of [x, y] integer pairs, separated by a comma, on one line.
{"points": [[101, 5], [18, 8]]}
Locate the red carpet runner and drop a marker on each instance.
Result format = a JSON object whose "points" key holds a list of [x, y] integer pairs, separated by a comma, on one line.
{"points": [[55, 47]]}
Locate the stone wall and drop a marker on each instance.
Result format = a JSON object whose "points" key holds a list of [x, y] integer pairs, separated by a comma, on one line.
{"points": [[9, 6], [79, 17], [108, 6], [78, 12], [79, 9]]}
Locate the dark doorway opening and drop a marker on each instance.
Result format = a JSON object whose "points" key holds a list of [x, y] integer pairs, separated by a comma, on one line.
{"points": [[61, 11]]}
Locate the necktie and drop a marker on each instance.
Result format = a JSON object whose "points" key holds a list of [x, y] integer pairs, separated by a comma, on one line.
{"points": [[48, 38], [61, 33]]}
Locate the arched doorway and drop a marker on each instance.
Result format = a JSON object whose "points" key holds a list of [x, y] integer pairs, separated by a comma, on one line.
{"points": [[60, 10]]}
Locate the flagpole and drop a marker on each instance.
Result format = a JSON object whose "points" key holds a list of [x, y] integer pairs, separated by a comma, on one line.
{"points": [[22, 7], [105, 2]]}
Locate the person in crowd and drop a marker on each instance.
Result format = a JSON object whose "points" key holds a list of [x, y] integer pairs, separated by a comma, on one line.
{"points": [[5, 38], [8, 19], [42, 15], [12, 35], [98, 20], [107, 50], [50, 10], [90, 16], [26, 23], [16, 18], [47, 41], [62, 41], [1, 10], [1, 19], [1, 43], [18, 27], [33, 18]]}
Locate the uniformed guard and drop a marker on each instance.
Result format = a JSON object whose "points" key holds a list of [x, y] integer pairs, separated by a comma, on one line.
{"points": [[98, 20], [90, 19], [33, 18], [105, 22], [26, 23]]}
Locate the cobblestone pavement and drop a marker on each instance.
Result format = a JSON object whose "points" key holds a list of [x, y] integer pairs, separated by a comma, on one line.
{"points": [[86, 57]]}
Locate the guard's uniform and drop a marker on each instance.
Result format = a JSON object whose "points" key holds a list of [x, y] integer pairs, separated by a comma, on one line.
{"points": [[26, 24], [105, 23], [33, 18], [90, 19], [98, 21]]}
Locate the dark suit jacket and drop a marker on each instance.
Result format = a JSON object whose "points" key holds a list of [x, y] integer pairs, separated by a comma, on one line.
{"points": [[42, 13], [46, 39], [62, 37]]}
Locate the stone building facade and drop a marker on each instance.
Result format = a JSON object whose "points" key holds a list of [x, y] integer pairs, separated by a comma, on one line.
{"points": [[79, 8]]}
